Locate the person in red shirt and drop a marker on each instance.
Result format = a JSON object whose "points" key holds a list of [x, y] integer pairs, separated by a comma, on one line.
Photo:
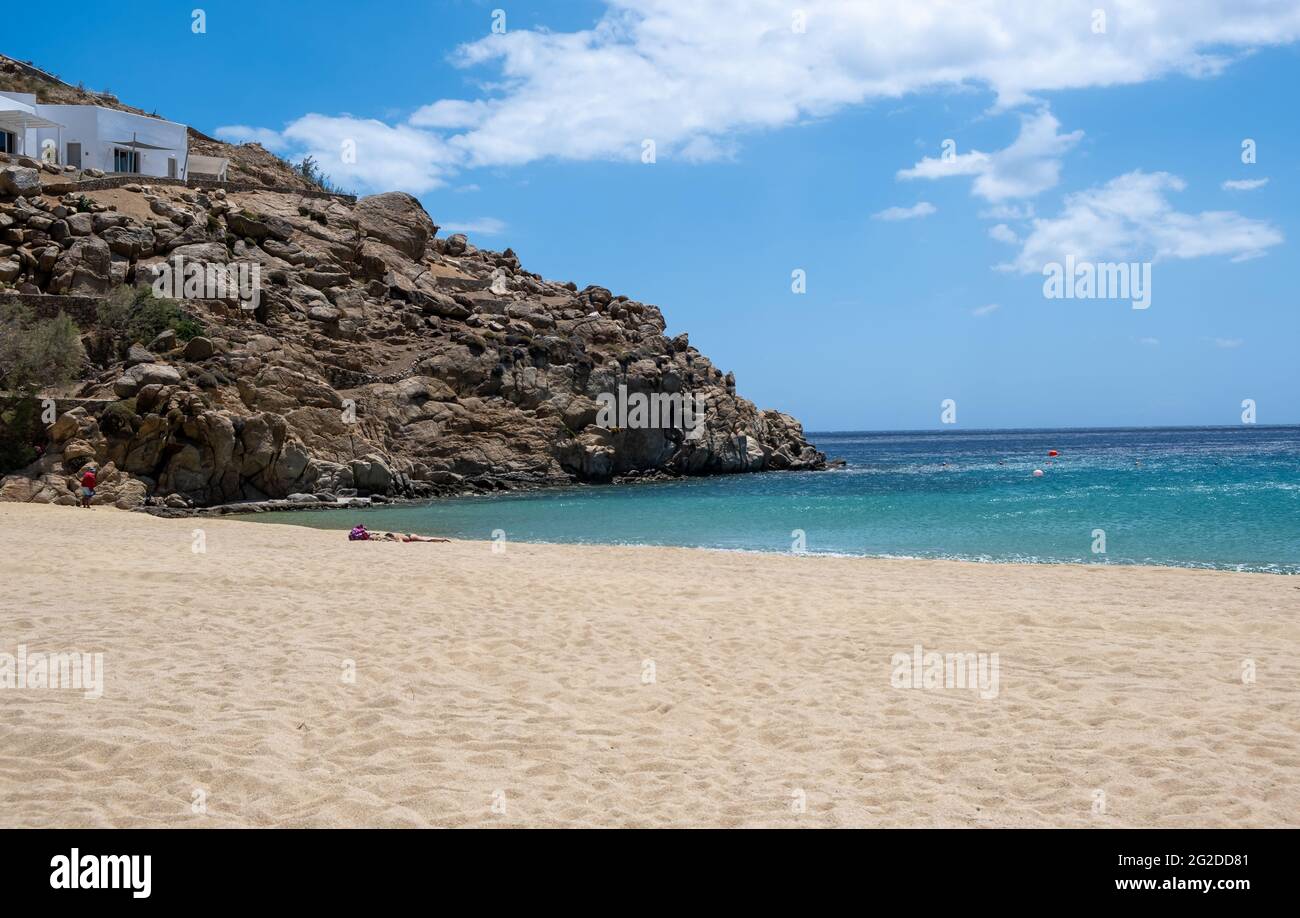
{"points": [[87, 484]]}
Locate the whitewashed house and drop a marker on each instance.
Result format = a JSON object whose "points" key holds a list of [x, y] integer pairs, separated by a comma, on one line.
{"points": [[92, 137], [19, 123]]}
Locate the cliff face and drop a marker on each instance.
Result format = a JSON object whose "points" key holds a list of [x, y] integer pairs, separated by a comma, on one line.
{"points": [[379, 358]]}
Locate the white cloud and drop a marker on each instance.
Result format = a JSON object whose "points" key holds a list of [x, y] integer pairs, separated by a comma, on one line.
{"points": [[693, 76], [1229, 343], [242, 133], [1008, 212], [917, 210], [674, 70], [1130, 219], [450, 113], [982, 311], [1149, 342], [707, 149], [934, 167], [387, 157], [1004, 233], [483, 226], [1244, 184], [1031, 164]]}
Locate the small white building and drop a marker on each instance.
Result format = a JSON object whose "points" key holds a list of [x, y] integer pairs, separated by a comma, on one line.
{"points": [[19, 123], [92, 137]]}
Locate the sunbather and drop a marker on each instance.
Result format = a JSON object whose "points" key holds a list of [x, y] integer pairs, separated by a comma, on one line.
{"points": [[362, 534]]}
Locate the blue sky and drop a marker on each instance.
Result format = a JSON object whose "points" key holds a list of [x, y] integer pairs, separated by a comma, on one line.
{"points": [[779, 149]]}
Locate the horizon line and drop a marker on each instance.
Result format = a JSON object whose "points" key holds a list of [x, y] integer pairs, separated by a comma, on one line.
{"points": [[955, 428]]}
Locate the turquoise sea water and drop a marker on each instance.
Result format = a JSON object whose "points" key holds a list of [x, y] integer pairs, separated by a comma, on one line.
{"points": [[1214, 497]]}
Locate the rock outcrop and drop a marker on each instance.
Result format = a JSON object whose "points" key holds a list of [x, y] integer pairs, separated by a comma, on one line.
{"points": [[377, 359]]}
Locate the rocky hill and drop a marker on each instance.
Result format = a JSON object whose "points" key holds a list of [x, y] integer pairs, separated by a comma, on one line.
{"points": [[380, 359], [25, 76]]}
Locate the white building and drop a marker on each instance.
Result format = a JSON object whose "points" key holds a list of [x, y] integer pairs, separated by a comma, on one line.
{"points": [[19, 122], [92, 137]]}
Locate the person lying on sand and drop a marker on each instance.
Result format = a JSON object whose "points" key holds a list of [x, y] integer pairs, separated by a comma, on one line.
{"points": [[362, 534]]}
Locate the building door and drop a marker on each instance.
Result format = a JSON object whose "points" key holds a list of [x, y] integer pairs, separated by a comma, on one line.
{"points": [[7, 142], [74, 155], [171, 167]]}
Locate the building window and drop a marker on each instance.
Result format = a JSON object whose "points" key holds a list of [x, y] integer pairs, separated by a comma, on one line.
{"points": [[7, 142], [126, 161]]}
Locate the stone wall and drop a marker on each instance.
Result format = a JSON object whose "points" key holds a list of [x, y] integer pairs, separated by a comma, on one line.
{"points": [[83, 310], [117, 181], [93, 406]]}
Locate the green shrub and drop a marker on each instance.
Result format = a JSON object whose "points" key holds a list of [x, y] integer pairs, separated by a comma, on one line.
{"points": [[133, 314], [37, 353], [310, 170], [113, 313], [34, 354], [151, 317], [187, 328], [18, 428], [119, 418]]}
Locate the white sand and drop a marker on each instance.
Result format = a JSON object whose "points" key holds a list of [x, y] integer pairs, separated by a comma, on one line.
{"points": [[516, 679]]}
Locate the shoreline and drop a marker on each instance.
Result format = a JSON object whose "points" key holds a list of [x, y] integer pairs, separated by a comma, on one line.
{"points": [[606, 686], [1216, 567], [372, 501]]}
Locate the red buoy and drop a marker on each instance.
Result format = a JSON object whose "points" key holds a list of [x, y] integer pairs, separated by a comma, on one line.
{"points": [[1052, 452]]}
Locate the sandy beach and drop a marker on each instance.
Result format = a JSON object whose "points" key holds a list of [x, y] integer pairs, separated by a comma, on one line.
{"points": [[283, 676]]}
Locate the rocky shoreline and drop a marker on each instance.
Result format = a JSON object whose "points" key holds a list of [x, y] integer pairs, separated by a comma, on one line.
{"points": [[374, 357], [326, 501]]}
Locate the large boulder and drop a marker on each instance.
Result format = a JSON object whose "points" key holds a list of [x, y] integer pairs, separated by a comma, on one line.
{"points": [[77, 451], [147, 374], [125, 386], [372, 474], [86, 268], [72, 426], [206, 252], [185, 473], [144, 451], [130, 242], [138, 353], [19, 489], [324, 313], [80, 224], [259, 226], [397, 219], [285, 251], [19, 182], [199, 348], [163, 342]]}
